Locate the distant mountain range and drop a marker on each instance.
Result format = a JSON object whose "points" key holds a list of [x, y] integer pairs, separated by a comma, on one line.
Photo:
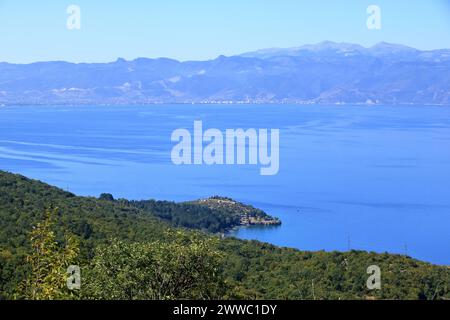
{"points": [[328, 72]]}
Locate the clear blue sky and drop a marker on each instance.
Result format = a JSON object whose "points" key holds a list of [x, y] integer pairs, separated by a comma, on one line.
{"points": [[203, 29]]}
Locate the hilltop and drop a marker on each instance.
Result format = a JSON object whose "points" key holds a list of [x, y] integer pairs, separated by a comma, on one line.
{"points": [[248, 215]]}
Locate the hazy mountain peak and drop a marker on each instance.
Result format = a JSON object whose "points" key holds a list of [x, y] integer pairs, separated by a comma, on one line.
{"points": [[324, 47], [330, 48], [389, 48], [330, 45]]}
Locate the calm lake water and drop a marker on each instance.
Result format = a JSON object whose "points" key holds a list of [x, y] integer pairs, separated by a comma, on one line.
{"points": [[371, 178]]}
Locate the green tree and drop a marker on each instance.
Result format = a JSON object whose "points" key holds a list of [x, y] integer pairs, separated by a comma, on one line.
{"points": [[185, 266], [48, 262], [106, 196]]}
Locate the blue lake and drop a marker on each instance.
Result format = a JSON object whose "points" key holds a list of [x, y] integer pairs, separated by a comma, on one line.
{"points": [[372, 178]]}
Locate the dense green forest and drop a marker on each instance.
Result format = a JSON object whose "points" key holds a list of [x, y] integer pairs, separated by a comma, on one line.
{"points": [[215, 214], [188, 215], [129, 250]]}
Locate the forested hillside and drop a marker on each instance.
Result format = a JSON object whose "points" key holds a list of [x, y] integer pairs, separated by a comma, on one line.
{"points": [[215, 214], [120, 247]]}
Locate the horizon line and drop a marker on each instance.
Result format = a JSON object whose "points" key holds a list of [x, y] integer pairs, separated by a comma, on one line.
{"points": [[227, 56]]}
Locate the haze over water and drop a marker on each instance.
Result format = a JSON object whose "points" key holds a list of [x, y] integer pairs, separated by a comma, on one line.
{"points": [[359, 177]]}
